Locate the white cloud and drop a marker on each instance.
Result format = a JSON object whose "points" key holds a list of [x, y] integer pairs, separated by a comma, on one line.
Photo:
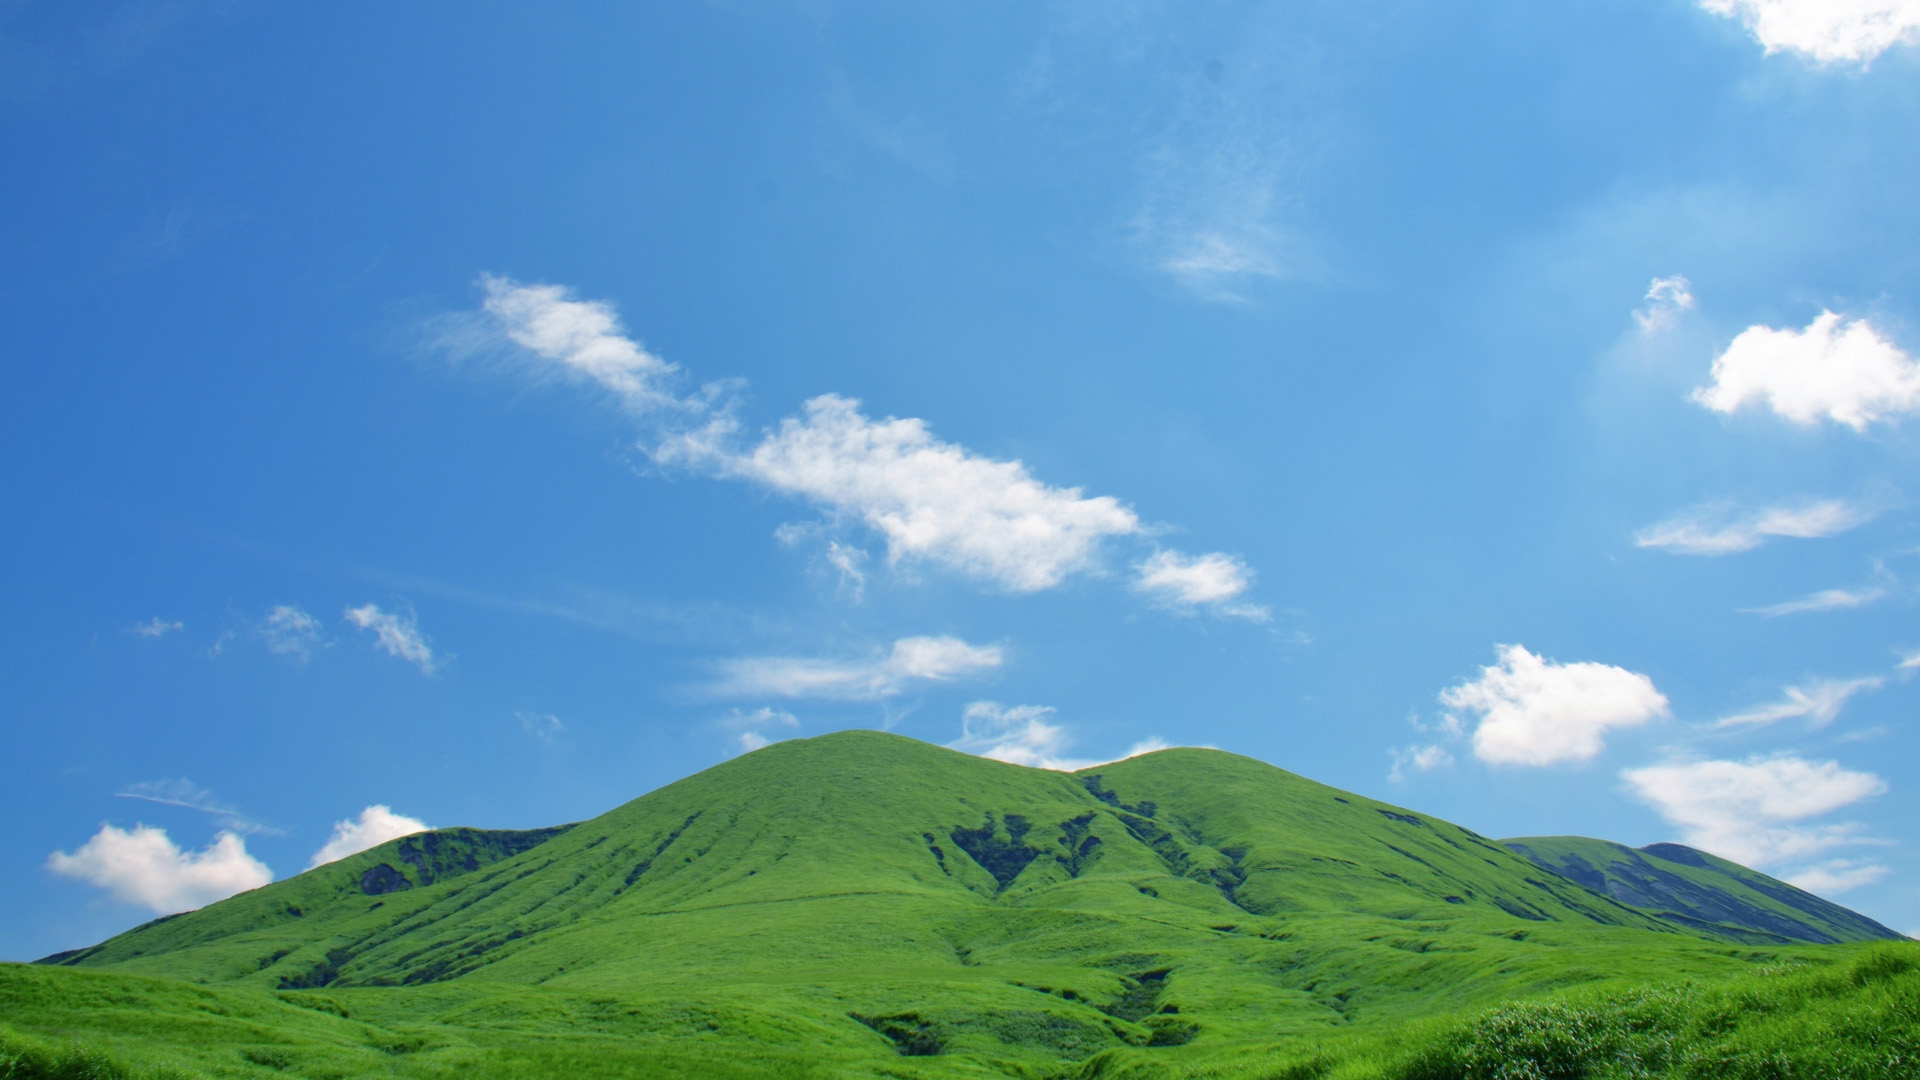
{"points": [[1535, 711], [848, 560], [1018, 734], [156, 627], [187, 795], [1021, 735], [289, 631], [1421, 758], [1835, 876], [542, 726], [398, 633], [931, 500], [1187, 581], [375, 826], [1666, 298], [1750, 811], [1820, 702], [1827, 31], [584, 337], [144, 867], [1824, 600], [1714, 530], [1850, 375], [912, 659], [751, 728]]}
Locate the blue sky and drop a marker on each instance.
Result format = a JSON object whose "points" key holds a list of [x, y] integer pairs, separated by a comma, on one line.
{"points": [[485, 414]]}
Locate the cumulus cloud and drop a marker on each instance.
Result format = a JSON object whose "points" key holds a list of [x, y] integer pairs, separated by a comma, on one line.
{"points": [[1022, 735], [1848, 374], [1753, 811], [1718, 530], [757, 728], [289, 631], [1186, 582], [931, 500], [156, 627], [1819, 702], [396, 632], [911, 660], [1835, 876], [187, 795], [1824, 600], [143, 866], [1535, 711], [1826, 31], [376, 825], [1666, 298]]}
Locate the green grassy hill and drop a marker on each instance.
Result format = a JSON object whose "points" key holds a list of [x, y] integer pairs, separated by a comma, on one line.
{"points": [[1692, 888], [863, 904]]}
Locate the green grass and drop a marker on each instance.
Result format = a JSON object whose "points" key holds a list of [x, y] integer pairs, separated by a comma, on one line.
{"points": [[864, 905]]}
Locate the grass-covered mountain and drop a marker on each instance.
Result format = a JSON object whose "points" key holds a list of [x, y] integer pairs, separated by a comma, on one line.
{"points": [[1704, 892], [864, 904]]}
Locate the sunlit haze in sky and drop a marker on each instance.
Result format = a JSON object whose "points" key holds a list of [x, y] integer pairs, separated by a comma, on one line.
{"points": [[467, 414]]}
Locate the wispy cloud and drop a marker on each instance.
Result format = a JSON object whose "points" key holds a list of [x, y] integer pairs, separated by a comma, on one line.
{"points": [[1536, 711], [187, 795], [1718, 529], [1756, 811], [1418, 758], [758, 727], [1836, 876], [156, 627], [1824, 600], [910, 661], [1848, 374], [1819, 702], [398, 634], [543, 727], [376, 825], [1186, 582], [143, 866], [1022, 735], [289, 631], [1826, 31], [1666, 298]]}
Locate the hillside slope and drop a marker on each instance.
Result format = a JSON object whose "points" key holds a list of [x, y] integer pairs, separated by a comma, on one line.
{"points": [[1705, 892], [863, 894]]}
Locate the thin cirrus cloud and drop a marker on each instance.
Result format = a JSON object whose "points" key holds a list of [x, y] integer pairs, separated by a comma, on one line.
{"points": [[1818, 702], [397, 634], [1756, 812], [1022, 735], [1824, 600], [376, 825], [1847, 374], [911, 661], [932, 501], [187, 795], [1717, 530], [1826, 31], [1535, 711], [143, 866]]}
